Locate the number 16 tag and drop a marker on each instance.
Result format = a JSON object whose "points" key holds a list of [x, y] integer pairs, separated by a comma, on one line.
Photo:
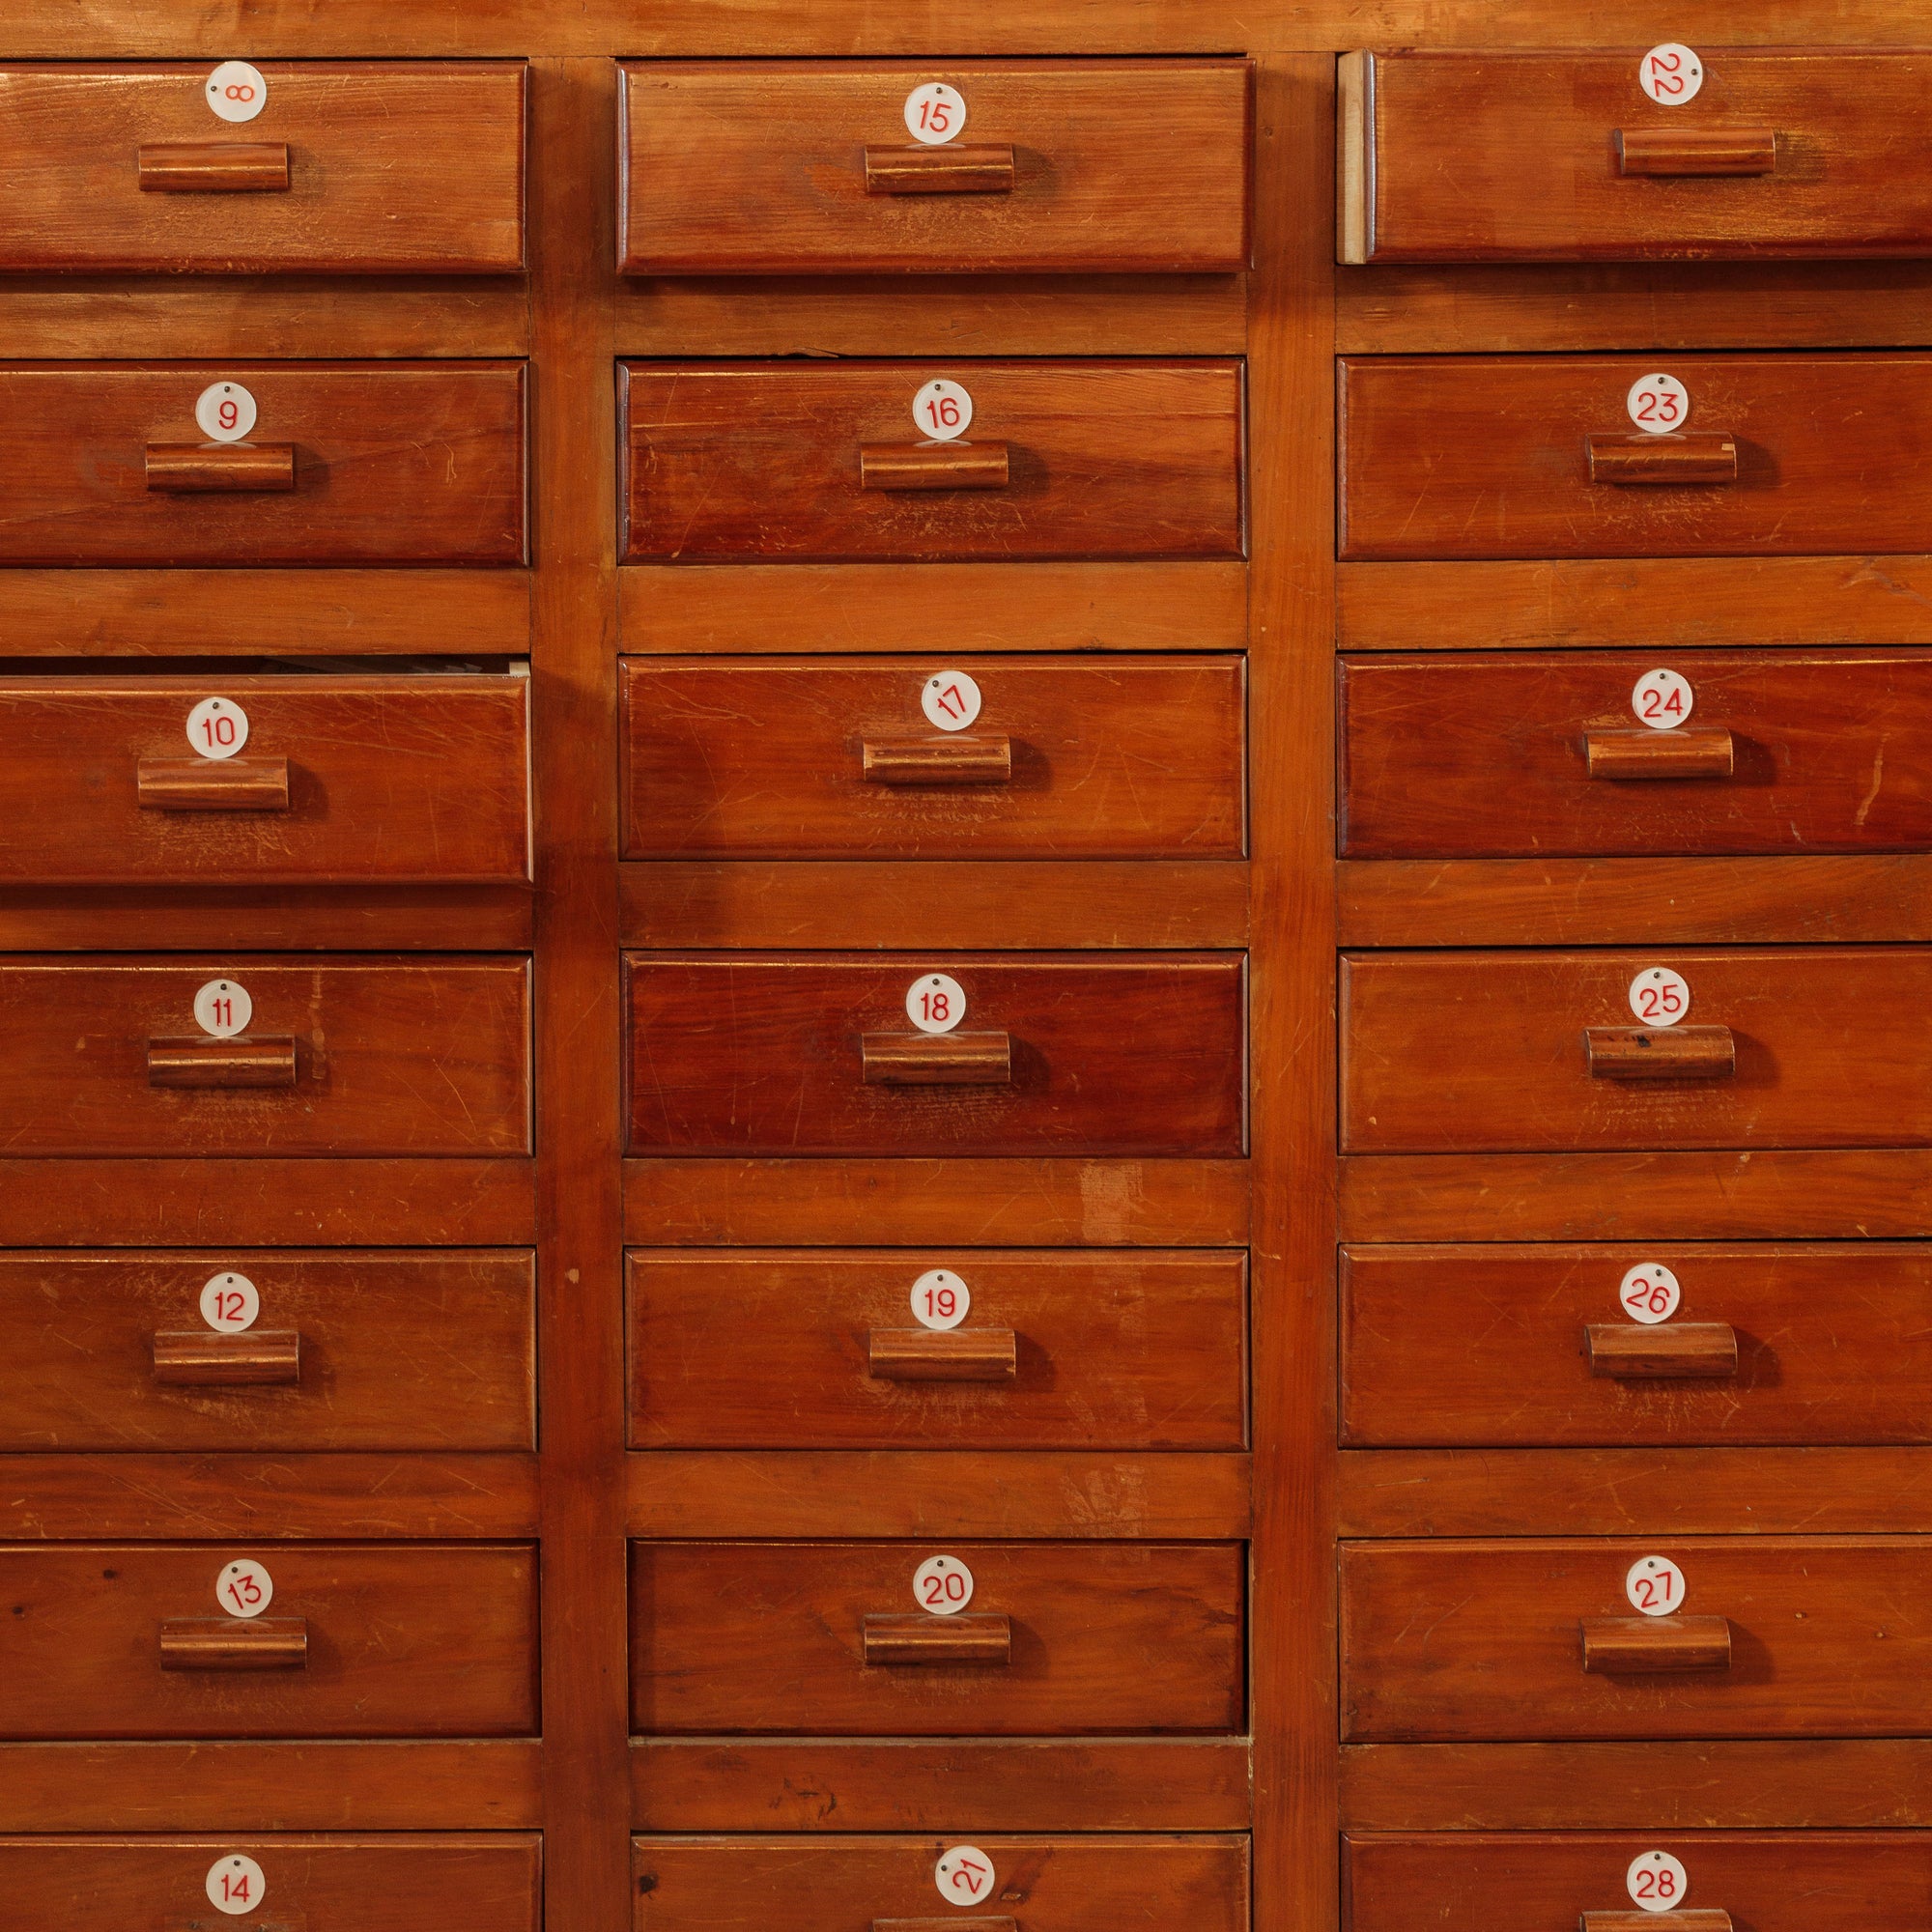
{"points": [[942, 411]]}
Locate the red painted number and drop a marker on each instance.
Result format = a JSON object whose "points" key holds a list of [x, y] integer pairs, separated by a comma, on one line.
{"points": [[219, 730], [951, 702], [234, 1890], [942, 412], [245, 1593], [936, 1006], [935, 117], [1655, 1884], [1658, 1002], [1666, 73], [1653, 1593], [966, 1875], [1648, 1297], [228, 1303], [239, 90], [1658, 703], [1657, 408], [941, 1301], [951, 1588]]}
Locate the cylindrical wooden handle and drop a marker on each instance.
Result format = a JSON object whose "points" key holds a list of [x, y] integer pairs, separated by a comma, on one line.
{"points": [[221, 1063], [183, 468], [200, 1359], [1669, 1352], [924, 1638], [1693, 752], [1696, 151], [933, 466], [1710, 1918], [212, 167], [213, 784], [988, 1924], [1660, 1053], [1692, 456], [227, 1643], [942, 1354], [1636, 1646], [937, 1058], [937, 760], [986, 169]]}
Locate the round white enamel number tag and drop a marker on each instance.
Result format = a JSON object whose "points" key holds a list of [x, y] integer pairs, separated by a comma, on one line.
{"points": [[942, 409], [222, 1009], [228, 1303], [1658, 404], [244, 1589], [940, 1300], [1663, 700], [1660, 997], [935, 1002], [943, 1585], [1655, 1585], [236, 1884], [225, 412], [1650, 1293], [1670, 74], [950, 700], [964, 1875], [1655, 1881], [217, 727], [236, 91], [935, 113]]}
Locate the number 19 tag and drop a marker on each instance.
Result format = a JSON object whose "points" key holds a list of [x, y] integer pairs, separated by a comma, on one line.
{"points": [[940, 1300]]}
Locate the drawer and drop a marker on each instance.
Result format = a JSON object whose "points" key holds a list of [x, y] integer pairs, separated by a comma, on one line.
{"points": [[836, 758], [392, 1882], [829, 1638], [1546, 1882], [348, 463], [1542, 753], [1564, 157], [393, 1639], [427, 1352], [1794, 1345], [108, 780], [824, 462], [1811, 1047], [1826, 1637], [1093, 1883], [821, 1348], [373, 167], [1530, 456], [810, 167], [339, 1056], [1091, 1053]]}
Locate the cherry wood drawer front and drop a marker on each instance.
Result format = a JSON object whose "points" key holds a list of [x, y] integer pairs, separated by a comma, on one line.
{"points": [[771, 1637], [761, 167], [392, 462], [391, 1057], [1543, 1882], [1518, 158], [1542, 753], [1471, 1347], [339, 778], [1489, 456], [825, 758], [1093, 1883], [1102, 1053], [1830, 1636], [375, 167], [396, 1350], [1102, 459], [392, 1882], [823, 1349], [402, 1640], [1490, 1051]]}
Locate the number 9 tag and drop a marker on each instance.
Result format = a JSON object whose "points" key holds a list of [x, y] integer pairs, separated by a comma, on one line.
{"points": [[943, 1585], [1656, 1882], [225, 412]]}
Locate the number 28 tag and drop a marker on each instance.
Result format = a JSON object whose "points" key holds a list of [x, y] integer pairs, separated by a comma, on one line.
{"points": [[1656, 1882], [943, 1585]]}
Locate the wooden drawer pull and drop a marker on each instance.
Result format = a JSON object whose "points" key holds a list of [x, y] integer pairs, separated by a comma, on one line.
{"points": [[213, 784], [1660, 1053], [942, 1354], [1696, 151], [200, 1359], [1710, 1918], [937, 1058], [988, 169], [1636, 1646], [212, 167], [991, 1924], [937, 761], [933, 466], [1696, 752], [1672, 1350], [1709, 456], [193, 467], [227, 1643], [221, 1063], [921, 1638]]}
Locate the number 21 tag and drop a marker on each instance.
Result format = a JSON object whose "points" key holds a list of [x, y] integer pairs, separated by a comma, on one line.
{"points": [[964, 1875]]}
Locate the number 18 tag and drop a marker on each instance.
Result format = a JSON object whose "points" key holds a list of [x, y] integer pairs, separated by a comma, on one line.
{"points": [[940, 1300], [935, 1002]]}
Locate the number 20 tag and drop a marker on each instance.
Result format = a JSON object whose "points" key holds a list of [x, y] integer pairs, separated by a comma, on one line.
{"points": [[943, 1585]]}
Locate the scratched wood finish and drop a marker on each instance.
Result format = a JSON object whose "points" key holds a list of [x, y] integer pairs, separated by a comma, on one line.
{"points": [[395, 462], [761, 1349], [760, 460], [752, 757], [1484, 457], [392, 167], [756, 167]]}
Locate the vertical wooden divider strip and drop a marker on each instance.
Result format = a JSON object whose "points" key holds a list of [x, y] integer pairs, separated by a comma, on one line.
{"points": [[574, 665], [1291, 358]]}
